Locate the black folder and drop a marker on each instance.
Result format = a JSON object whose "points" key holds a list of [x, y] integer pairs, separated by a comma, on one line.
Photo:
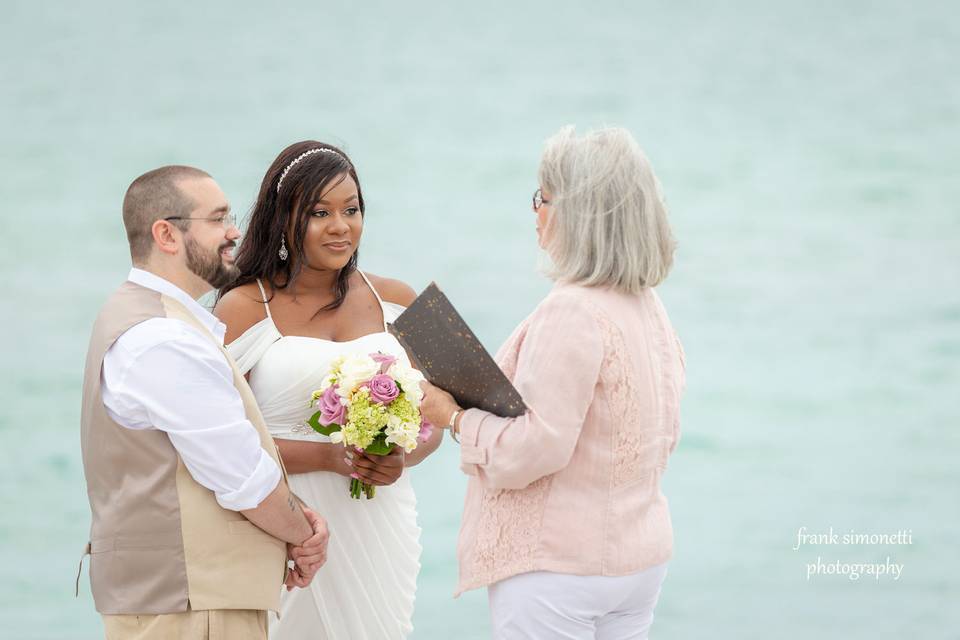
{"points": [[449, 355]]}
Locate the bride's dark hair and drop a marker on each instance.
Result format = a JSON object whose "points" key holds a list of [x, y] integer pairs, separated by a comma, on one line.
{"points": [[303, 171]]}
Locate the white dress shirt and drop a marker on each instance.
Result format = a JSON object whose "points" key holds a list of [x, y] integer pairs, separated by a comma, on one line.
{"points": [[165, 374]]}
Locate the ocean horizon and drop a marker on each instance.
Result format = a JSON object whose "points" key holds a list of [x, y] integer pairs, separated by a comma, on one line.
{"points": [[807, 153]]}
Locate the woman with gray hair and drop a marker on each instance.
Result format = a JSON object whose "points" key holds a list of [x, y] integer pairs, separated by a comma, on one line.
{"points": [[564, 520]]}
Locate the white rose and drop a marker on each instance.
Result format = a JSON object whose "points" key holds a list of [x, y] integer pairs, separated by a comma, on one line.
{"points": [[356, 369], [409, 380]]}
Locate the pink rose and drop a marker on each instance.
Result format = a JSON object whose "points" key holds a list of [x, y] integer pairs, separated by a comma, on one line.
{"points": [[426, 430], [383, 389], [386, 361], [332, 410]]}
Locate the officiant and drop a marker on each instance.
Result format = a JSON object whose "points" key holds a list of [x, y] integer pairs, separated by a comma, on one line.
{"points": [[564, 520]]}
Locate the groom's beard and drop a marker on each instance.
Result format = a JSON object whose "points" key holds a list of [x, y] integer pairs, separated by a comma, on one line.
{"points": [[208, 265]]}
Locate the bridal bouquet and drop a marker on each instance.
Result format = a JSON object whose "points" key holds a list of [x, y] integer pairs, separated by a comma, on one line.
{"points": [[371, 402]]}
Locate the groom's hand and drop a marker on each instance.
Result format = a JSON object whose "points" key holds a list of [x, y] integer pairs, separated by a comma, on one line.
{"points": [[294, 577], [309, 556], [378, 470]]}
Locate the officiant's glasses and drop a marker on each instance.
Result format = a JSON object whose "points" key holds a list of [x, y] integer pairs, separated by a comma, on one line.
{"points": [[538, 200], [227, 220]]}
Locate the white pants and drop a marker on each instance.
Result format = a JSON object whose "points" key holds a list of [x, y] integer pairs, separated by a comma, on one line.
{"points": [[550, 606]]}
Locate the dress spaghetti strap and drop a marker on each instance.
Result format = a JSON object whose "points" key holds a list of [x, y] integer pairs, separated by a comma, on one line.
{"points": [[383, 310], [266, 305]]}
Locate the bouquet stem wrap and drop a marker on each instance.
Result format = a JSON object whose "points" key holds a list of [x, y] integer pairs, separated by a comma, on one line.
{"points": [[360, 488]]}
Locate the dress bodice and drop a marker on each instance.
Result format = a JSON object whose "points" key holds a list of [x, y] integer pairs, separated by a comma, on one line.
{"points": [[286, 370]]}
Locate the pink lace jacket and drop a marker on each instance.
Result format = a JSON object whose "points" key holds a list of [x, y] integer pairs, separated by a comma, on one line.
{"points": [[573, 485]]}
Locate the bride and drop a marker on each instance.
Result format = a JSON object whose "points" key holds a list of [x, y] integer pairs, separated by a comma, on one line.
{"points": [[300, 302]]}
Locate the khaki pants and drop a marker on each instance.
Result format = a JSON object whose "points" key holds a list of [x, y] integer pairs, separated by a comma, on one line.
{"points": [[218, 624]]}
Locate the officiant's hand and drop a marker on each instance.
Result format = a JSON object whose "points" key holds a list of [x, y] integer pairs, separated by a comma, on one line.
{"points": [[437, 405], [377, 470]]}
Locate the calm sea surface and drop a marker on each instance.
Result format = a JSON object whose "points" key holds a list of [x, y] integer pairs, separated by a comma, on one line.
{"points": [[809, 154]]}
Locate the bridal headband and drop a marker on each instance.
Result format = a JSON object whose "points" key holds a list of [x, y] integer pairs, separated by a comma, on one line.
{"points": [[301, 157]]}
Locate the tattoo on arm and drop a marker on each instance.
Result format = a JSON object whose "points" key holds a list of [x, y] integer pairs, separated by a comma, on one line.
{"points": [[291, 502]]}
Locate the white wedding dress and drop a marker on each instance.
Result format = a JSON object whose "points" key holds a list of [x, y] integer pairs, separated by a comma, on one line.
{"points": [[366, 588]]}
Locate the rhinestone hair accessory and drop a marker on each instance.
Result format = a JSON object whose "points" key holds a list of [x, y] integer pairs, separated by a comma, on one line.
{"points": [[301, 157]]}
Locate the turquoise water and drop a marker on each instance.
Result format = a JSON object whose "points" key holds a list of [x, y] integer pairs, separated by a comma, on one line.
{"points": [[808, 152]]}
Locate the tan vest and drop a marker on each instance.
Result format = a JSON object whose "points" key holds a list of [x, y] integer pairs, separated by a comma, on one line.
{"points": [[159, 541]]}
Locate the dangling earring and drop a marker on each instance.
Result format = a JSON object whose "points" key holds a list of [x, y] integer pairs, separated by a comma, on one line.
{"points": [[283, 253]]}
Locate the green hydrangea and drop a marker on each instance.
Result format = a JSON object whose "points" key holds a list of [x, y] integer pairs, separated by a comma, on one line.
{"points": [[404, 409], [365, 419]]}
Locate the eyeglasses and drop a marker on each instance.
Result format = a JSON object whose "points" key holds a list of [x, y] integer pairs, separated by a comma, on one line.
{"points": [[538, 200], [227, 220]]}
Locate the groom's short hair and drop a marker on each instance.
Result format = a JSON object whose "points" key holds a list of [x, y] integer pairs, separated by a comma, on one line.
{"points": [[153, 196]]}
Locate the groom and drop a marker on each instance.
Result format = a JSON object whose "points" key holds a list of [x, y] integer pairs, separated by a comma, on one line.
{"points": [[192, 517]]}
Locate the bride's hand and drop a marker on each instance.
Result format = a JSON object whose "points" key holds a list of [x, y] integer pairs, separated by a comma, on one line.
{"points": [[339, 459], [378, 470]]}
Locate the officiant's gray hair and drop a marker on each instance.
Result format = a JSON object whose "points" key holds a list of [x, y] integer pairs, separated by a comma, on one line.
{"points": [[608, 222], [151, 197]]}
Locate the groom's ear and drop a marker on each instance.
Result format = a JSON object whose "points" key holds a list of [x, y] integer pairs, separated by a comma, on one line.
{"points": [[166, 238]]}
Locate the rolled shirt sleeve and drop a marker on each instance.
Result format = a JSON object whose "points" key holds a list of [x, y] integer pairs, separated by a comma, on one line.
{"points": [[557, 370], [178, 381]]}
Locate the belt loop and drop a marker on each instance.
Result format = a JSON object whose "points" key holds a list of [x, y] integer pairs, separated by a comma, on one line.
{"points": [[86, 552]]}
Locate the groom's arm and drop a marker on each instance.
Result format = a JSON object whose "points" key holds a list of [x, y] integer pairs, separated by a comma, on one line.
{"points": [[281, 515], [163, 374]]}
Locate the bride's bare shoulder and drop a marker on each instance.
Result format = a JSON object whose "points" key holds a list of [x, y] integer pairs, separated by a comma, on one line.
{"points": [[395, 291], [240, 309]]}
